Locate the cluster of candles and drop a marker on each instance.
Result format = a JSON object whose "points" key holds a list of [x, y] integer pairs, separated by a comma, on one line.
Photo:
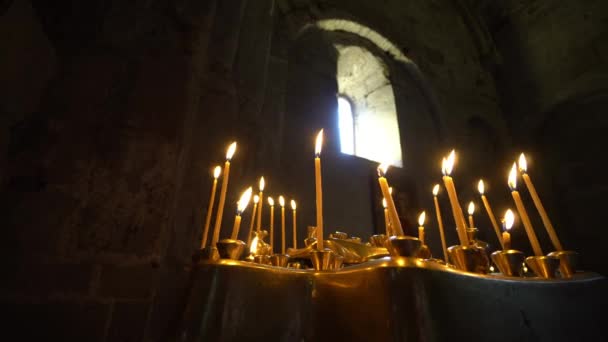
{"points": [[392, 222], [242, 204], [507, 222]]}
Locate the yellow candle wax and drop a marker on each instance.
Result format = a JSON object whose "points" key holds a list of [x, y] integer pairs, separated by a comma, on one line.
{"points": [[256, 199], [387, 219], [447, 166], [241, 206], [421, 219], [440, 222], [486, 204], [508, 221], [523, 167], [271, 238], [319, 190], [262, 184], [471, 211], [396, 228], [220, 207], [282, 203], [522, 212], [295, 235], [216, 174]]}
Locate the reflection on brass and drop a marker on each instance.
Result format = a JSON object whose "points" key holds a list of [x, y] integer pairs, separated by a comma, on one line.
{"points": [[338, 235], [568, 262], [405, 246], [294, 265], [543, 266], [231, 249], [338, 260], [378, 240], [353, 252], [509, 262], [262, 259], [322, 260], [469, 258], [389, 299], [279, 260], [424, 252]]}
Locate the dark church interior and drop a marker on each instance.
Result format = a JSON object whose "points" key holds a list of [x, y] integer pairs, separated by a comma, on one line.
{"points": [[114, 113]]}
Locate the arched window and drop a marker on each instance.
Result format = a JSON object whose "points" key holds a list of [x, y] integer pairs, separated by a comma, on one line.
{"points": [[346, 124], [367, 116]]}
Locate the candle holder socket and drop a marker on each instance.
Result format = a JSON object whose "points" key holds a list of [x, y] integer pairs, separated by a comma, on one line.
{"points": [[543, 266], [568, 262], [231, 249], [261, 259], [404, 246], [424, 252], [279, 260], [378, 240], [294, 265], [469, 258], [322, 260], [338, 261], [207, 253], [509, 262]]}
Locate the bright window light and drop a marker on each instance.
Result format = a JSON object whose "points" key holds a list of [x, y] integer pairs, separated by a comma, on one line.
{"points": [[346, 125]]}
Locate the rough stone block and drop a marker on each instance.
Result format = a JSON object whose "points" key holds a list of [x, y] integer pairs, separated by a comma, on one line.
{"points": [[128, 321], [132, 282]]}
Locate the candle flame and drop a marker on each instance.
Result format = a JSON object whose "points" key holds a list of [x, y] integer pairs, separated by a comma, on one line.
{"points": [[513, 177], [244, 200], [282, 201], [216, 172], [231, 150], [421, 218], [481, 187], [384, 204], [382, 169], [254, 245], [262, 183], [523, 164], [509, 219], [319, 143], [471, 208], [390, 190], [448, 163], [256, 199], [293, 204], [271, 201], [435, 189]]}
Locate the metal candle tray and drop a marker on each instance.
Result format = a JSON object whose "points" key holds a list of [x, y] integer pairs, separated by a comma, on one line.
{"points": [[389, 299]]}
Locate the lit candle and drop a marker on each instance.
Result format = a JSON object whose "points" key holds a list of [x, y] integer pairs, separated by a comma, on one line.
{"points": [[486, 204], [241, 206], [295, 235], [440, 222], [471, 211], [261, 187], [507, 223], [256, 199], [392, 210], [447, 166], [421, 219], [220, 208], [522, 211], [216, 174], [319, 190], [271, 239], [282, 203], [523, 168], [387, 220]]}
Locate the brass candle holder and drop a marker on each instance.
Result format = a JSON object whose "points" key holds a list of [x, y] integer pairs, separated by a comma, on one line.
{"points": [[568, 262], [378, 240], [543, 266], [469, 258], [338, 261], [279, 260], [322, 260], [425, 252], [404, 246], [231, 249], [509, 262], [261, 259]]}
